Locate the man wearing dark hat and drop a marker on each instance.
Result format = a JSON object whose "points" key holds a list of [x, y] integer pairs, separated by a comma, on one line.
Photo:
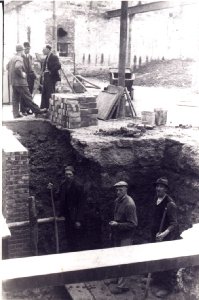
{"points": [[19, 84], [122, 227], [28, 65], [50, 69], [72, 199], [164, 228]]}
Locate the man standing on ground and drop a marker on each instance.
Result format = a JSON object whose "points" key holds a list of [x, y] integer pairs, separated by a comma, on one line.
{"points": [[50, 75], [165, 228], [72, 199], [31, 76], [122, 227], [19, 84]]}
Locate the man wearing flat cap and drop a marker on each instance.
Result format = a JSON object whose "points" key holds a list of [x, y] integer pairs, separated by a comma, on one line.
{"points": [[164, 228], [122, 227], [50, 71], [18, 78], [72, 200]]}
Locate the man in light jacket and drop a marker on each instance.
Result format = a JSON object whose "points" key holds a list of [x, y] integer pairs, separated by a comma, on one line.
{"points": [[122, 228], [19, 84]]}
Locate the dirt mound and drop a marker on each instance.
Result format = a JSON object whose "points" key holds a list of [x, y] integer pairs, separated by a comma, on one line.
{"points": [[171, 73], [165, 73]]}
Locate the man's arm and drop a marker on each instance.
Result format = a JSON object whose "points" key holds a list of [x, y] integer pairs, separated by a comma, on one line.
{"points": [[131, 219], [81, 201], [173, 223], [19, 69], [55, 64]]}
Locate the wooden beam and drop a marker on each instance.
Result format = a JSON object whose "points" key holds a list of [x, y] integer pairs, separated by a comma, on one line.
{"points": [[123, 43], [60, 269], [153, 6]]}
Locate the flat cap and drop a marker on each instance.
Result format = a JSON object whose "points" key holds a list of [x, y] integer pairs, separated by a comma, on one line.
{"points": [[70, 168], [121, 183], [19, 48], [163, 181]]}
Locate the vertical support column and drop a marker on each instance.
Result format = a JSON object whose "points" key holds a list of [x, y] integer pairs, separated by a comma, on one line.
{"points": [[122, 53], [123, 43], [129, 55]]}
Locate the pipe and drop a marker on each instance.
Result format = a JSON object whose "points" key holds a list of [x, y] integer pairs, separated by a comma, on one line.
{"points": [[39, 221]]}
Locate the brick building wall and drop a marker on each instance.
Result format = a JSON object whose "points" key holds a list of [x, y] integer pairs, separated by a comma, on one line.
{"points": [[15, 194], [169, 33]]}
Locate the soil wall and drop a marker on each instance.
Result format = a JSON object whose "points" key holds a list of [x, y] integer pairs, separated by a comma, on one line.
{"points": [[100, 162]]}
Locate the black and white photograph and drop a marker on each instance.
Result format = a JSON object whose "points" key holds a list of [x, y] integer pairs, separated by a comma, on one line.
{"points": [[100, 150]]}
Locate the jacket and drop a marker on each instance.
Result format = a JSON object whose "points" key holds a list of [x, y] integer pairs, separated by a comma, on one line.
{"points": [[170, 221], [72, 201], [126, 216], [28, 62], [16, 68], [53, 66]]}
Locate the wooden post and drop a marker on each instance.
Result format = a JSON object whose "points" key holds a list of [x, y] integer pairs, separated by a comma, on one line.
{"points": [[123, 43], [54, 43], [33, 223], [122, 53]]}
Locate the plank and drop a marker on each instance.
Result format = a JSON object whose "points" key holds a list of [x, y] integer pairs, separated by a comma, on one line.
{"points": [[73, 267], [147, 7], [106, 101]]}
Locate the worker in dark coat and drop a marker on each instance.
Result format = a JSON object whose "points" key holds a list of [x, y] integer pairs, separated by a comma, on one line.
{"points": [[31, 76], [164, 228], [72, 201], [122, 227], [19, 84], [50, 75]]}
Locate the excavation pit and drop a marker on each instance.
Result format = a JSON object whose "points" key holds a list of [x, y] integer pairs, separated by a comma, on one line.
{"points": [[100, 161]]}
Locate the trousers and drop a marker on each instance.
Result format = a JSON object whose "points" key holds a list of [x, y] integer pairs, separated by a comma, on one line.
{"points": [[47, 90], [22, 94], [122, 282]]}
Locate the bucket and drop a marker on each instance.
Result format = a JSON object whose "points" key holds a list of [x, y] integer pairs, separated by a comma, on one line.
{"points": [[148, 117], [160, 116]]}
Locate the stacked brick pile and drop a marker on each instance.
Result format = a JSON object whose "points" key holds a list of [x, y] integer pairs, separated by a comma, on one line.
{"points": [[73, 110]]}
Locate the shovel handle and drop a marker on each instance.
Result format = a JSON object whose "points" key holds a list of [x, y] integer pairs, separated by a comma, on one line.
{"points": [[55, 221]]}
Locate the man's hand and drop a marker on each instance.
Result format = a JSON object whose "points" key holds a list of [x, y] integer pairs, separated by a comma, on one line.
{"points": [[113, 223], [24, 75], [160, 236], [50, 186], [78, 225]]}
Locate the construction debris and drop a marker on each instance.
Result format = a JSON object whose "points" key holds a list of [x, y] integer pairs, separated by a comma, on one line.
{"points": [[132, 130]]}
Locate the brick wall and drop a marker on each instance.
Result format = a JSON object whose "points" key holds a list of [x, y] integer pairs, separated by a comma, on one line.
{"points": [[95, 39], [16, 193], [73, 110]]}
